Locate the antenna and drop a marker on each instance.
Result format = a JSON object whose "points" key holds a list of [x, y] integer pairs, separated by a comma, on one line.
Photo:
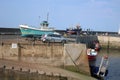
{"points": [[47, 16], [39, 18]]}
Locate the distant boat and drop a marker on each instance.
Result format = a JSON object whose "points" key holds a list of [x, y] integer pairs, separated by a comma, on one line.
{"points": [[74, 31], [36, 32]]}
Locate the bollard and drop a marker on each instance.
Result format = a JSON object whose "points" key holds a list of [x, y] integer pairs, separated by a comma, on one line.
{"points": [[4, 66], [62, 77], [12, 68], [29, 70], [20, 69]]}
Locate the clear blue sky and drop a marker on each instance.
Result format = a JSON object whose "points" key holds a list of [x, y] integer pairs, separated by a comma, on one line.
{"points": [[98, 15]]}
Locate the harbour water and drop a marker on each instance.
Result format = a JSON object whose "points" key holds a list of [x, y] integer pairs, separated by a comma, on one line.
{"points": [[114, 63]]}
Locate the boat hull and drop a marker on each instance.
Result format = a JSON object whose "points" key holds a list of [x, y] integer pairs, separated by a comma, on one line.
{"points": [[74, 31], [90, 57], [30, 32]]}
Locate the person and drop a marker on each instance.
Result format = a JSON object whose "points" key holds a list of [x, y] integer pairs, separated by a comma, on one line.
{"points": [[97, 46]]}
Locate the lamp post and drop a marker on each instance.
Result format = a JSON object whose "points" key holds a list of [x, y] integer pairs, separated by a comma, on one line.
{"points": [[108, 46], [1, 38], [1, 46]]}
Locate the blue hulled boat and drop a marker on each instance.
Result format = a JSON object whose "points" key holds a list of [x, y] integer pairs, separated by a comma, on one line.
{"points": [[27, 31]]}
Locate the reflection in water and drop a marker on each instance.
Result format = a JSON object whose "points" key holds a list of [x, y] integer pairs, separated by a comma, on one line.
{"points": [[114, 64]]}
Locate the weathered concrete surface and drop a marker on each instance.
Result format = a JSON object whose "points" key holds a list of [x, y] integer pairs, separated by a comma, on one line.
{"points": [[33, 67], [52, 55], [75, 54], [113, 41], [7, 52], [42, 53]]}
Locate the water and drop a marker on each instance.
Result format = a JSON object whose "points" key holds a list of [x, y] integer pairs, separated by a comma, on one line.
{"points": [[114, 64]]}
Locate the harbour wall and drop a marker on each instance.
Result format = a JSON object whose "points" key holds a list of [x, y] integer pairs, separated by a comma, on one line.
{"points": [[113, 42], [48, 54], [42, 53], [16, 70], [11, 74]]}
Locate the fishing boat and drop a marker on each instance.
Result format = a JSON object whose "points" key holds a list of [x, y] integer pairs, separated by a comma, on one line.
{"points": [[91, 54], [28, 31], [74, 31]]}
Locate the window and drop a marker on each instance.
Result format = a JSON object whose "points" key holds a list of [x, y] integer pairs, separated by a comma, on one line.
{"points": [[50, 35]]}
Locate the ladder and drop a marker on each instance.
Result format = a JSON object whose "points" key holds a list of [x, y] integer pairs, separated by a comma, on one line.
{"points": [[103, 67]]}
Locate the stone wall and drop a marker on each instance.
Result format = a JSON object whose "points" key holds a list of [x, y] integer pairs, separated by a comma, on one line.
{"points": [[114, 42], [41, 53], [11, 74], [75, 54], [48, 54]]}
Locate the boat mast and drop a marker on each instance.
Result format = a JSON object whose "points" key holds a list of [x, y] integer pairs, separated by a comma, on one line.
{"points": [[47, 16], [44, 24]]}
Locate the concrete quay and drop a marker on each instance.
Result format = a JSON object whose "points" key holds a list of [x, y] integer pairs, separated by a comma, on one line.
{"points": [[46, 58], [42, 70]]}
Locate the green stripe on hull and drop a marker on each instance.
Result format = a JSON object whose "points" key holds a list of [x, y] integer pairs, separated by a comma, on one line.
{"points": [[27, 31]]}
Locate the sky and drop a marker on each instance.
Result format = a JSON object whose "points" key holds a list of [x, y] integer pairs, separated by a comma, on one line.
{"points": [[96, 15]]}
